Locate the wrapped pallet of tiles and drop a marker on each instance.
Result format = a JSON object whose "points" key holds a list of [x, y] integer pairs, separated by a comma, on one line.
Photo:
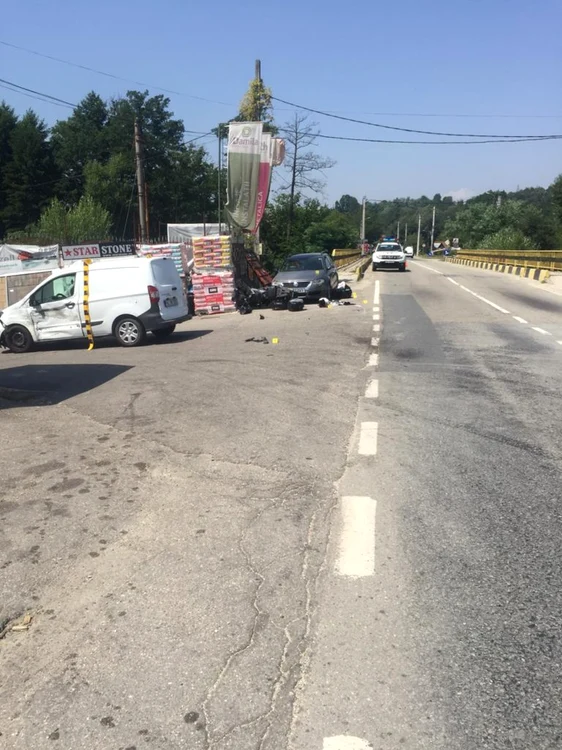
{"points": [[212, 277], [212, 252]]}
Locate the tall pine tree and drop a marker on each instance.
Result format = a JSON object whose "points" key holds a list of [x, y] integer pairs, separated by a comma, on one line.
{"points": [[29, 177]]}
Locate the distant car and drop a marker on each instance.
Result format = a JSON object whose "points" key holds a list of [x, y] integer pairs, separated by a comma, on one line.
{"points": [[409, 252], [389, 255], [309, 275]]}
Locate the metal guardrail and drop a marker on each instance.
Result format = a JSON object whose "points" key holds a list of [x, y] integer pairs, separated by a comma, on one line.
{"points": [[345, 257], [550, 260]]}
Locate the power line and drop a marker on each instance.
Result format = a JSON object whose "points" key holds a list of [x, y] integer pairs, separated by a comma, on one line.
{"points": [[443, 143], [54, 99], [110, 75], [407, 130], [440, 114]]}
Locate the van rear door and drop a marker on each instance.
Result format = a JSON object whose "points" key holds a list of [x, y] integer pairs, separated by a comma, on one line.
{"points": [[172, 302]]}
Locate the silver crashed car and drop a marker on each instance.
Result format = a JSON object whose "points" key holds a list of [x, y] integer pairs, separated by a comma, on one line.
{"points": [[309, 275]]}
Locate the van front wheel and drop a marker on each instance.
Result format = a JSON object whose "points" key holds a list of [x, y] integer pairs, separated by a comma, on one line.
{"points": [[129, 331], [18, 339]]}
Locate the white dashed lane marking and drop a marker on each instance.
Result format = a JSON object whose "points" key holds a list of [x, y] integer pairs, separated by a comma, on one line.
{"points": [[373, 360], [541, 330], [368, 434], [521, 320], [356, 553], [377, 327], [346, 742], [376, 299], [375, 343], [372, 389]]}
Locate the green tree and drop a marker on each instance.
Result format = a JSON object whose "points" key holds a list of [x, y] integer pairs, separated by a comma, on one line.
{"points": [[348, 204], [78, 140], [112, 185], [507, 238], [556, 194], [8, 122], [335, 231], [29, 177], [85, 222], [256, 104]]}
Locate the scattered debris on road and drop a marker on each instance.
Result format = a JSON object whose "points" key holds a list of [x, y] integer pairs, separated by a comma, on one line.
{"points": [[258, 340], [16, 625]]}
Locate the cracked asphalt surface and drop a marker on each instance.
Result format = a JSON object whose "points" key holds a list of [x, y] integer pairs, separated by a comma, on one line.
{"points": [[164, 516], [169, 516]]}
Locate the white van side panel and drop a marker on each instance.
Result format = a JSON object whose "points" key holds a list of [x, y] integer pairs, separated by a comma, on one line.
{"points": [[115, 292]]}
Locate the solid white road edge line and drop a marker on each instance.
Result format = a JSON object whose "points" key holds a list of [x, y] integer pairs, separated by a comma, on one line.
{"points": [[368, 438], [420, 264], [456, 283], [356, 553], [520, 320], [541, 330], [376, 299], [372, 389], [487, 301]]}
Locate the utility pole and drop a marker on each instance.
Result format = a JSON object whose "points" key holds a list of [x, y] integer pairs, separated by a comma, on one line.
{"points": [[398, 232], [140, 181], [419, 233], [257, 77], [432, 230], [363, 219], [219, 177], [258, 118], [406, 233]]}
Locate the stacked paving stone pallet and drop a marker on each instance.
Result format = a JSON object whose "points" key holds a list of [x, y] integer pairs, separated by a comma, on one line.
{"points": [[212, 277]]}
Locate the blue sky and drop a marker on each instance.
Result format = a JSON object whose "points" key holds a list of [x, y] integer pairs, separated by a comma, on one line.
{"points": [[359, 59]]}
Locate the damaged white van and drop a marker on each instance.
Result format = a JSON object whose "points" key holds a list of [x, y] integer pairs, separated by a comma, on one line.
{"points": [[128, 297]]}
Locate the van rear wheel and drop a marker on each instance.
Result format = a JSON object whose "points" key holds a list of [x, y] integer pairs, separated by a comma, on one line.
{"points": [[162, 333], [129, 331]]}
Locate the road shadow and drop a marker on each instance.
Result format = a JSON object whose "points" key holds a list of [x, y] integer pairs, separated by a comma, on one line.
{"points": [[108, 342], [38, 385]]}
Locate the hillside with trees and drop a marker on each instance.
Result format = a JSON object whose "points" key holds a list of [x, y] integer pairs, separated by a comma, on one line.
{"points": [[76, 182]]}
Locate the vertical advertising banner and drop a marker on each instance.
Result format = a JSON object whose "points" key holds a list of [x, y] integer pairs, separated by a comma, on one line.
{"points": [[265, 176], [244, 153]]}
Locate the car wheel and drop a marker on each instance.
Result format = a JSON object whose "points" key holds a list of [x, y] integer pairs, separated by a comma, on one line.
{"points": [[162, 333], [403, 267], [129, 331], [18, 339], [374, 267]]}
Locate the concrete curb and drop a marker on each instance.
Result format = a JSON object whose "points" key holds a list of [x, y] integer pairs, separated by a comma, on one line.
{"points": [[536, 274], [362, 268]]}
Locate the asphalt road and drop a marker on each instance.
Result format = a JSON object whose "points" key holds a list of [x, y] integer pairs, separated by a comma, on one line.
{"points": [[346, 539]]}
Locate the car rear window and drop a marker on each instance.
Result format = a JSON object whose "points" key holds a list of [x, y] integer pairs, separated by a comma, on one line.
{"points": [[314, 263], [164, 271]]}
